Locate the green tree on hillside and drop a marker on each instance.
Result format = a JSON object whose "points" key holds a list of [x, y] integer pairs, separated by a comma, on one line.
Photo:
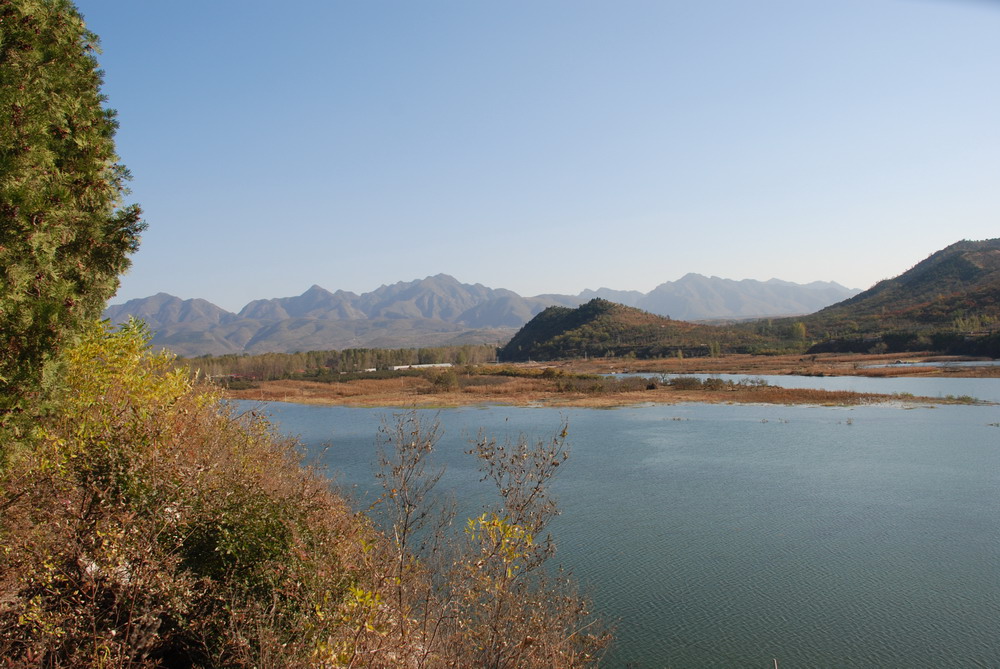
{"points": [[64, 234], [798, 331]]}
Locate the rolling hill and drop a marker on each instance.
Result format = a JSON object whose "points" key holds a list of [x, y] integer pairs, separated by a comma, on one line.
{"points": [[601, 328], [948, 302], [958, 281]]}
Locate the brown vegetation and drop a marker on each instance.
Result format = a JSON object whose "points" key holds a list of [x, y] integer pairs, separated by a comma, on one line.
{"points": [[143, 526], [821, 364], [535, 384]]}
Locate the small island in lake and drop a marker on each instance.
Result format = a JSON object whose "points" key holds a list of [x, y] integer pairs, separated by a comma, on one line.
{"points": [[606, 382]]}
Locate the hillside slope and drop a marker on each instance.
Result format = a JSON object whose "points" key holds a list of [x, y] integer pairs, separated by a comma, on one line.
{"points": [[949, 303], [961, 281], [603, 328]]}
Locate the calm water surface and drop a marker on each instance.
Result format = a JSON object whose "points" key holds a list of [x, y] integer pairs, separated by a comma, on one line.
{"points": [[727, 536], [983, 389], [946, 363]]}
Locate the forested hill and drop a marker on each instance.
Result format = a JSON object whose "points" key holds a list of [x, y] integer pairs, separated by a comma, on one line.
{"points": [[949, 303], [602, 328], [956, 288]]}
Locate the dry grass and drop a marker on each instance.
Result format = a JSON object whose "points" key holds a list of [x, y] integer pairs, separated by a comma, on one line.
{"points": [[408, 391], [536, 391], [312, 392], [143, 525], [824, 364]]}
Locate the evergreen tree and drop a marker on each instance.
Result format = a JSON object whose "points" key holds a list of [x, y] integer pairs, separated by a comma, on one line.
{"points": [[64, 234]]}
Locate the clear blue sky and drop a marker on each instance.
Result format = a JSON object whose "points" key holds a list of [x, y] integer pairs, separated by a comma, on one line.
{"points": [[549, 145]]}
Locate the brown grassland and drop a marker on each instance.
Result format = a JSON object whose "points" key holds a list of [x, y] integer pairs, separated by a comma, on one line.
{"points": [[569, 383], [823, 364]]}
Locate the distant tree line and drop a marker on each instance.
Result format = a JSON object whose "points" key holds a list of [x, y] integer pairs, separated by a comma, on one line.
{"points": [[318, 364], [944, 342]]}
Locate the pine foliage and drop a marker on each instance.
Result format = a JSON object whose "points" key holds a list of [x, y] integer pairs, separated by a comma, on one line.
{"points": [[64, 236]]}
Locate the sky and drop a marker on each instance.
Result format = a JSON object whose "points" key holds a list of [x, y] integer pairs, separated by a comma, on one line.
{"points": [[548, 146]]}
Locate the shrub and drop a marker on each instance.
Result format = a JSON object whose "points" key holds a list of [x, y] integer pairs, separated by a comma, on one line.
{"points": [[715, 383], [144, 523], [446, 380], [483, 598], [686, 383]]}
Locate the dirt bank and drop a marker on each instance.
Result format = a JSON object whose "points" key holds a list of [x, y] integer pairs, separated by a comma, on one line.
{"points": [[554, 391]]}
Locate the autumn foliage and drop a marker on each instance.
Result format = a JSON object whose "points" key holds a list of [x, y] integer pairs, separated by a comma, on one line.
{"points": [[145, 523]]}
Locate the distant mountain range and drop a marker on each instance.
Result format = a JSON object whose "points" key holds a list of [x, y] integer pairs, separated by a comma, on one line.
{"points": [[437, 311], [694, 297], [949, 303]]}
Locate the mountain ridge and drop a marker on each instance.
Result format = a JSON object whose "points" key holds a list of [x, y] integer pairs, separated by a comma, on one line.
{"points": [[950, 296], [948, 303], [436, 310]]}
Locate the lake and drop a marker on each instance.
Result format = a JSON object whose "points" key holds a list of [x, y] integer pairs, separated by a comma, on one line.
{"points": [[733, 535], [986, 389]]}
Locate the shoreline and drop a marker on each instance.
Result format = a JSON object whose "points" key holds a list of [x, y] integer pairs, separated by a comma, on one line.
{"points": [[555, 390], [887, 365], [611, 401]]}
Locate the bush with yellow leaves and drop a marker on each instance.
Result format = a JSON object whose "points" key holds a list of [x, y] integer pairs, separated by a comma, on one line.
{"points": [[145, 523]]}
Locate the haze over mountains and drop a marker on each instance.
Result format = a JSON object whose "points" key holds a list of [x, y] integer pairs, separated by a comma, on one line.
{"points": [[439, 310]]}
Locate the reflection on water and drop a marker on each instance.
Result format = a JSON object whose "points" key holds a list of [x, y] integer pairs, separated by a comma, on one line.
{"points": [[726, 536]]}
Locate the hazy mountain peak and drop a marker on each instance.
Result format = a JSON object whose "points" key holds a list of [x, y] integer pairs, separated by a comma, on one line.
{"points": [[163, 308], [437, 303]]}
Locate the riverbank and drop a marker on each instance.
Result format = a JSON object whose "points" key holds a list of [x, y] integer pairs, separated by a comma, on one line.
{"points": [[890, 365], [576, 384]]}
